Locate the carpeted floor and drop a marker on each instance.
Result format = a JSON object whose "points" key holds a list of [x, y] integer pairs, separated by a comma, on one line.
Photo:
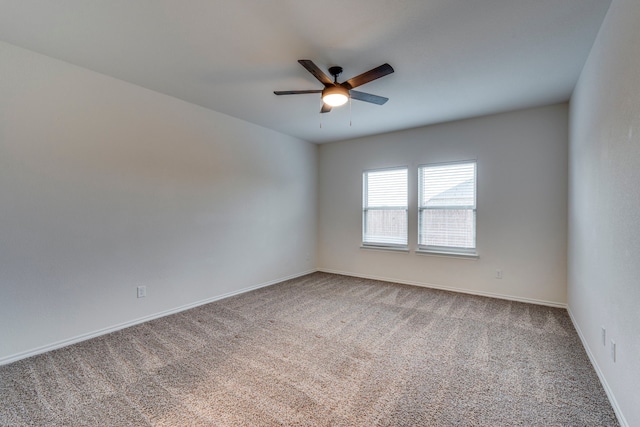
{"points": [[321, 350]]}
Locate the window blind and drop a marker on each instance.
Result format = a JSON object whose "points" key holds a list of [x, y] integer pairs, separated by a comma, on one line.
{"points": [[385, 206], [447, 207]]}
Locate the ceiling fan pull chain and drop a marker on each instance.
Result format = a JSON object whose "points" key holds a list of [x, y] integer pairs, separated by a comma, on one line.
{"points": [[350, 112]]}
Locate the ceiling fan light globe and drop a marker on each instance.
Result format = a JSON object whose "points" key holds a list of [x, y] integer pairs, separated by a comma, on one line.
{"points": [[335, 99], [335, 96]]}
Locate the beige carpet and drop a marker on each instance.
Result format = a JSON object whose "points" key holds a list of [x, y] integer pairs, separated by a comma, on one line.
{"points": [[321, 350]]}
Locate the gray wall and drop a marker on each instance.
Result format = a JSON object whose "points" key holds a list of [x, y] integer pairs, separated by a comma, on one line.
{"points": [[105, 186], [522, 204], [604, 205]]}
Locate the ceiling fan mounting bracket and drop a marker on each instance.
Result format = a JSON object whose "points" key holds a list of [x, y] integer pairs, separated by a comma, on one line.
{"points": [[335, 72]]}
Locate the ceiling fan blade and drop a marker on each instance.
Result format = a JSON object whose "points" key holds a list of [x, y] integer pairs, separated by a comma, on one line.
{"points": [[367, 97], [325, 108], [296, 92], [317, 72], [370, 75]]}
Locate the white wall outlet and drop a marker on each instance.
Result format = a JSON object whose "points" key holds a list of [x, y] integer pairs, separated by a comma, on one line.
{"points": [[142, 291], [604, 336], [498, 274], [613, 351]]}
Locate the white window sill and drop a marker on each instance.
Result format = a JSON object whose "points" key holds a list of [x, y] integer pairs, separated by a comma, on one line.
{"points": [[448, 254], [386, 248]]}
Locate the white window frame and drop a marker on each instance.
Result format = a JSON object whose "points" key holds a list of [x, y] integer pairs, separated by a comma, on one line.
{"points": [[448, 250], [365, 209]]}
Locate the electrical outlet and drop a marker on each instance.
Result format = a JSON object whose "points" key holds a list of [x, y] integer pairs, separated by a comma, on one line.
{"points": [[142, 291], [604, 336], [498, 274], [613, 351]]}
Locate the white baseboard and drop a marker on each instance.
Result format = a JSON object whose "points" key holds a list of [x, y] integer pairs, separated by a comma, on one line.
{"points": [[449, 288], [83, 337], [612, 399]]}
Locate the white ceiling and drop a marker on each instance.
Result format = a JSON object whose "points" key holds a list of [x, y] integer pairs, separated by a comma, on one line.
{"points": [[453, 59]]}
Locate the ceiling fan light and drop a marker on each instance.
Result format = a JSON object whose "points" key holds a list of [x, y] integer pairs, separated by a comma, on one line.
{"points": [[335, 96]]}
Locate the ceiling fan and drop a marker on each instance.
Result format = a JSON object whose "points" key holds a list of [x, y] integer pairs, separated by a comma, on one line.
{"points": [[335, 94]]}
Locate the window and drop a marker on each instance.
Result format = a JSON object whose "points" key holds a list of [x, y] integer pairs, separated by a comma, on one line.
{"points": [[447, 208], [384, 212]]}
